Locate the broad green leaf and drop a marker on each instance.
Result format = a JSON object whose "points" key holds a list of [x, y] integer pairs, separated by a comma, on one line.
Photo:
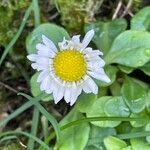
{"points": [[97, 136], [126, 69], [147, 128], [116, 107], [111, 71], [85, 101], [75, 137], [113, 143], [134, 95], [127, 148], [146, 68], [52, 31], [148, 101], [130, 48], [97, 110], [106, 32], [35, 88], [139, 123], [141, 20], [115, 88], [139, 144]]}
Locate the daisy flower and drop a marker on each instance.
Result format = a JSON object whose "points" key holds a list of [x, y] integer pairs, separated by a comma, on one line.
{"points": [[68, 68]]}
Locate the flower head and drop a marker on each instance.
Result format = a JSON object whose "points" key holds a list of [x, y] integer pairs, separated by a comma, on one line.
{"points": [[69, 68]]}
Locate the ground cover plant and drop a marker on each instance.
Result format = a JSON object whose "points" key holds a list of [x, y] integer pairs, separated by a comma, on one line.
{"points": [[107, 103]]}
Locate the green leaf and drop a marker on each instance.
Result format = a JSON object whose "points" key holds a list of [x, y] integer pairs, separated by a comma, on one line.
{"points": [[147, 128], [52, 31], [115, 89], [35, 88], [97, 136], [130, 48], [76, 137], [111, 71], [106, 32], [85, 101], [97, 110], [146, 68], [134, 95], [141, 20], [139, 144], [113, 143], [139, 123], [116, 107], [127, 148], [126, 69]]}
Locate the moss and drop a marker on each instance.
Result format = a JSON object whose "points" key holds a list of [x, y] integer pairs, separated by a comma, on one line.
{"points": [[75, 13], [8, 22]]}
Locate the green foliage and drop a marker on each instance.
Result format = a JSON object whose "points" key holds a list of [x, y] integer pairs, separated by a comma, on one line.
{"points": [[105, 120], [141, 20], [113, 143], [137, 144], [127, 48], [134, 95], [108, 106], [52, 31], [74, 138], [106, 32], [96, 137]]}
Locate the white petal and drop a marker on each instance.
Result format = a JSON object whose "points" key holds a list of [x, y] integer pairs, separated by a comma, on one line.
{"points": [[67, 94], [58, 93], [99, 76], [95, 64], [90, 86], [74, 95], [92, 52], [64, 44], [51, 86], [45, 83], [42, 60], [86, 88], [39, 67], [76, 39], [42, 75], [49, 43], [88, 37], [44, 50], [32, 57]]}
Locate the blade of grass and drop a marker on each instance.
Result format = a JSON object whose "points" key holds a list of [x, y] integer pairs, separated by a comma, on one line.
{"points": [[45, 126], [20, 110], [36, 13], [90, 119], [15, 38], [36, 113], [34, 128], [49, 117], [10, 137], [26, 134], [133, 135]]}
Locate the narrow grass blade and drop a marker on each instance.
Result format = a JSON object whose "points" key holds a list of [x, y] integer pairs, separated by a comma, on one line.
{"points": [[45, 113], [46, 147], [34, 128]]}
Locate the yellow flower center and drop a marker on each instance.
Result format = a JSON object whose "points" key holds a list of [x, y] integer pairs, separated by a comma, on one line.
{"points": [[70, 65]]}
